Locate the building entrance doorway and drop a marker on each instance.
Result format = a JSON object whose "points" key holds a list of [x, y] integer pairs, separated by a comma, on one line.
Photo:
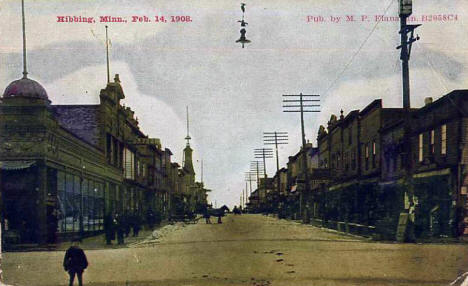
{"points": [[19, 209]]}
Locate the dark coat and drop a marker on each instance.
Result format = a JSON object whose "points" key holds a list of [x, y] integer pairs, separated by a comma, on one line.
{"points": [[109, 227], [75, 259], [136, 222]]}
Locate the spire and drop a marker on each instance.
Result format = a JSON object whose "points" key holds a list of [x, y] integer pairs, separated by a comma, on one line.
{"points": [[25, 70], [188, 129], [107, 57], [188, 165]]}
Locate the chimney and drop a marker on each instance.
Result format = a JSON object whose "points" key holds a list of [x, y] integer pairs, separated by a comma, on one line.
{"points": [[427, 101], [116, 78]]}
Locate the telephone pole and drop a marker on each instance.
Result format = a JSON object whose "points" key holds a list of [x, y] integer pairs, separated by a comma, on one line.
{"points": [[276, 138], [257, 167], [299, 103], [405, 10], [246, 196], [264, 153], [249, 178]]}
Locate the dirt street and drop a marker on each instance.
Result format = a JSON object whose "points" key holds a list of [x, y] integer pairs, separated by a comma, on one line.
{"points": [[252, 250]]}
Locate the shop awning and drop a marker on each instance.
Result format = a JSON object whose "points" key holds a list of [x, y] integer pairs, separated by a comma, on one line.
{"points": [[15, 165]]}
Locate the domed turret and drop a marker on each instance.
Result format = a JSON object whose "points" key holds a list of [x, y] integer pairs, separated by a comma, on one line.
{"points": [[26, 88]]}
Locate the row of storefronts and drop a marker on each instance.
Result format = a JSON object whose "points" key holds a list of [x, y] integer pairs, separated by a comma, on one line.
{"points": [[63, 168], [358, 173]]}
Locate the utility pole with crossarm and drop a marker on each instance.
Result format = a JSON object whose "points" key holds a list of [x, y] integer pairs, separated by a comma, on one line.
{"points": [[276, 138], [302, 103], [407, 218], [257, 167], [249, 178], [264, 153]]}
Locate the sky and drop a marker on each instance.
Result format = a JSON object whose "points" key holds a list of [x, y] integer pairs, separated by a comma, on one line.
{"points": [[234, 94]]}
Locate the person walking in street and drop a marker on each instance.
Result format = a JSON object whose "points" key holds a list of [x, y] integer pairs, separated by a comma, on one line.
{"points": [[75, 262], [207, 216]]}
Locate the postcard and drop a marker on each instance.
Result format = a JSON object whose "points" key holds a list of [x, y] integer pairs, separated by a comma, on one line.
{"points": [[256, 143]]}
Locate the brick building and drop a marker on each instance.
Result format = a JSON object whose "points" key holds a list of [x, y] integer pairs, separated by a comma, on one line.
{"points": [[438, 165], [357, 175], [364, 154], [64, 167]]}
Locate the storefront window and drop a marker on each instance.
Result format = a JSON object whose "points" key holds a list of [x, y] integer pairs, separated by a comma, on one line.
{"points": [[61, 201], [69, 207], [85, 190], [86, 197], [77, 202], [113, 198], [100, 206], [92, 192]]}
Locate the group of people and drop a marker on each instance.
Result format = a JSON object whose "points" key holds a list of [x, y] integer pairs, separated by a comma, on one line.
{"points": [[119, 226], [122, 225], [236, 210]]}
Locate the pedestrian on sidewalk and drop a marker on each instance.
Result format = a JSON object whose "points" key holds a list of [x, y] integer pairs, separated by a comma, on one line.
{"points": [[109, 228], [120, 228], [126, 223], [75, 262], [157, 217], [136, 224], [150, 218]]}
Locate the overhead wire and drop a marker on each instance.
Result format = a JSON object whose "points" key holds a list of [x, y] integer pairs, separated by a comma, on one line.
{"points": [[431, 66], [358, 50]]}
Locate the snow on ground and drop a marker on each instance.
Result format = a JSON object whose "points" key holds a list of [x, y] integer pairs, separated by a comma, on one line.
{"points": [[159, 234]]}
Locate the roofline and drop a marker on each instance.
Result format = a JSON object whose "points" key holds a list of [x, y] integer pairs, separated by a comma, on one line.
{"points": [[455, 93], [377, 103]]}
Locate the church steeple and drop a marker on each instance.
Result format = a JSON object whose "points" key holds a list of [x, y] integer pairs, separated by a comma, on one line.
{"points": [[188, 164], [188, 129]]}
